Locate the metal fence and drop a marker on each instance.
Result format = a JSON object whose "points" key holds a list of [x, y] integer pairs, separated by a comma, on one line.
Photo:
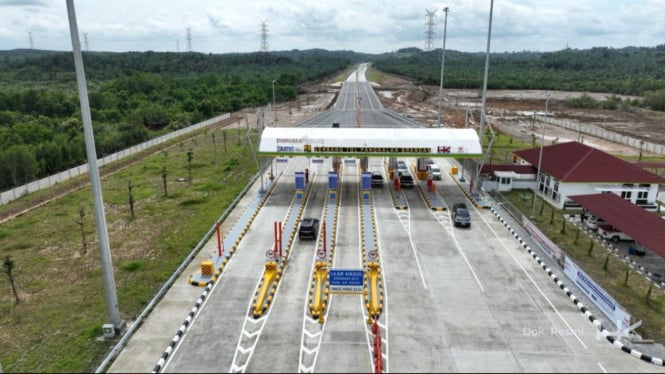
{"points": [[37, 185], [607, 135]]}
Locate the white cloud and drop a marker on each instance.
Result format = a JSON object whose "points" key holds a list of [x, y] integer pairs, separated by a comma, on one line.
{"points": [[364, 26]]}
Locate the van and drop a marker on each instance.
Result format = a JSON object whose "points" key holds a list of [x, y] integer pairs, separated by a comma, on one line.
{"points": [[434, 171]]}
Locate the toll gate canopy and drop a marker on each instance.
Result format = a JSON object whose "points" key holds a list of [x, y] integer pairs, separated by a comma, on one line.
{"points": [[369, 142]]}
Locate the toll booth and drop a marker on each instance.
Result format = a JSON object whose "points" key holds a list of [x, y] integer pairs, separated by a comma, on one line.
{"points": [[300, 184], [421, 169], [366, 181], [332, 184]]}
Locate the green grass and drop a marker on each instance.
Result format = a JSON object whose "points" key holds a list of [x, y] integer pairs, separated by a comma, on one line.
{"points": [[632, 296], [56, 325]]}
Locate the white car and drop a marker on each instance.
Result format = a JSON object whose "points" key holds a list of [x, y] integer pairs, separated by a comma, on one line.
{"points": [[434, 171], [609, 232]]}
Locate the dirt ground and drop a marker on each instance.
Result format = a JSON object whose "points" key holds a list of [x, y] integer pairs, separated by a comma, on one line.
{"points": [[511, 112], [508, 111]]}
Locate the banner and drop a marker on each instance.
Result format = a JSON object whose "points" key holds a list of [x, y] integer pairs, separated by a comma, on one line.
{"points": [[602, 299]]}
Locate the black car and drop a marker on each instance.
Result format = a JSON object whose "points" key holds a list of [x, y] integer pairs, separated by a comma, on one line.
{"points": [[377, 179], [309, 228], [406, 181], [460, 215]]}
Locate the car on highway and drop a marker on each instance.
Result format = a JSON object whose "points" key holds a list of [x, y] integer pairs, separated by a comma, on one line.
{"points": [[309, 228], [402, 168], [460, 215], [406, 180], [377, 179], [434, 171]]}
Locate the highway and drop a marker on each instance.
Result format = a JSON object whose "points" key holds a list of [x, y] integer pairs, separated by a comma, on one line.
{"points": [[454, 299]]}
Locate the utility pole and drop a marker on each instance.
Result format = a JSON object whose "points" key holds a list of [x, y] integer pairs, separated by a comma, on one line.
{"points": [[189, 39], [264, 37], [537, 187], [429, 29], [443, 59]]}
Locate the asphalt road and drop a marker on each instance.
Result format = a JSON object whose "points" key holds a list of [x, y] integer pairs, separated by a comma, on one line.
{"points": [[456, 299]]}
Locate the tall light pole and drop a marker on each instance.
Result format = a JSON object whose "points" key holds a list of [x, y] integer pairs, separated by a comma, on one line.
{"points": [[481, 128], [443, 59], [547, 101], [93, 171], [273, 91]]}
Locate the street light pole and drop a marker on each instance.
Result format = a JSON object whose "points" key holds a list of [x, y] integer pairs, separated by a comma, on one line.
{"points": [[639, 160], [547, 101], [443, 59]]}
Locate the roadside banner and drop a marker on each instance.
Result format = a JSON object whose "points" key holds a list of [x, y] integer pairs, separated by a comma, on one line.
{"points": [[602, 299]]}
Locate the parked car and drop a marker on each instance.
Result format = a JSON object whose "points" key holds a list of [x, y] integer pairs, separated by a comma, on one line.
{"points": [[460, 215], [309, 228], [592, 222], [377, 179], [434, 171], [609, 232], [406, 180]]}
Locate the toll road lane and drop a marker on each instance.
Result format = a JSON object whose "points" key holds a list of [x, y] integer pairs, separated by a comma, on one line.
{"points": [[211, 340], [283, 328], [344, 334]]}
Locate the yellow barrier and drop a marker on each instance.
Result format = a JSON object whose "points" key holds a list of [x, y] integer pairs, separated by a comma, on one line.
{"points": [[268, 277], [206, 268], [453, 170], [318, 304], [374, 307]]}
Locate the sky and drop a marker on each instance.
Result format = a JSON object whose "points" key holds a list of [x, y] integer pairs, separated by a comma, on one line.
{"points": [[368, 26]]}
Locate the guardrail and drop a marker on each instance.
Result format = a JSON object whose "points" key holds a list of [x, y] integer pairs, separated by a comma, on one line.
{"points": [[49, 181]]}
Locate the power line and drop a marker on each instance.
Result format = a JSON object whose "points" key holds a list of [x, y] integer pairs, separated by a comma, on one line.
{"points": [[429, 29]]}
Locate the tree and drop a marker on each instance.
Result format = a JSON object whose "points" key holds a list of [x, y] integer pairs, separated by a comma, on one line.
{"points": [[8, 267]]}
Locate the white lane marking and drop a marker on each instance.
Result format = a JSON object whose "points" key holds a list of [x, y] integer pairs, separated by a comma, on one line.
{"points": [[601, 367], [574, 333]]}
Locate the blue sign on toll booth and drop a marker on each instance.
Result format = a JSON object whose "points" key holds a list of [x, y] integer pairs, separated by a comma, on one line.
{"points": [[300, 180], [332, 180], [332, 185], [366, 180]]}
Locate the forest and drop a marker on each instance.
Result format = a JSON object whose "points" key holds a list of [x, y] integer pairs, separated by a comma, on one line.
{"points": [[135, 96]]}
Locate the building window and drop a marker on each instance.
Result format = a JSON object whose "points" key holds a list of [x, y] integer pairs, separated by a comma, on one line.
{"points": [[627, 191], [505, 181], [643, 196]]}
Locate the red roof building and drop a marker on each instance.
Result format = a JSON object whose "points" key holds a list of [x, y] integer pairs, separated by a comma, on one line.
{"points": [[573, 168]]}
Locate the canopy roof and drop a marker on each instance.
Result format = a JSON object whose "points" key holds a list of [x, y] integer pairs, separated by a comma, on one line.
{"points": [[644, 227], [417, 142]]}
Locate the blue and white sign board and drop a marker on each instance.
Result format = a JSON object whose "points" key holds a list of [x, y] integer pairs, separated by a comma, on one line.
{"points": [[346, 280], [317, 160], [615, 312]]}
